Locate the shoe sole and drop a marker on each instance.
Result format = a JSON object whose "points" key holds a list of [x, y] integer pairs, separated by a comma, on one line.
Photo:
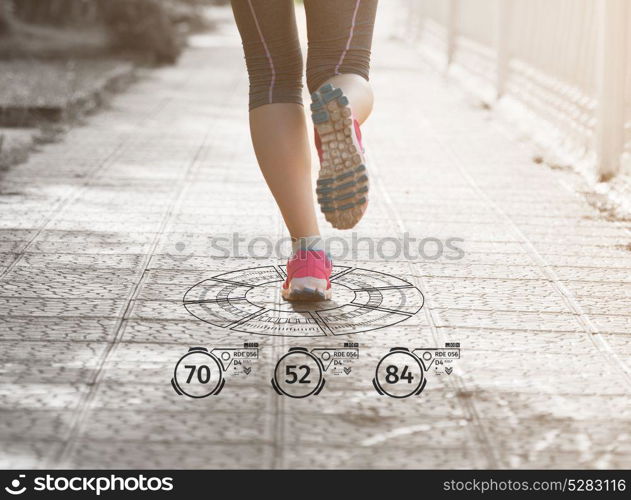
{"points": [[306, 290], [342, 186]]}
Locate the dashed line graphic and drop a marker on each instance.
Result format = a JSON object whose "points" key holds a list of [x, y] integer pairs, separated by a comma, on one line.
{"points": [[248, 300]]}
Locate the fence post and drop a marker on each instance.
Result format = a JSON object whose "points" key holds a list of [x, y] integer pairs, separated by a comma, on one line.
{"points": [[612, 19], [502, 41], [453, 21]]}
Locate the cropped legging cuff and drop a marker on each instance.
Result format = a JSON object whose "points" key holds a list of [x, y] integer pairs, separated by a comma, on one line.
{"points": [[340, 38]]}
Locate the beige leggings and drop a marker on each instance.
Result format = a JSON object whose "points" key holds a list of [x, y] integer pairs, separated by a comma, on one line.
{"points": [[339, 33]]}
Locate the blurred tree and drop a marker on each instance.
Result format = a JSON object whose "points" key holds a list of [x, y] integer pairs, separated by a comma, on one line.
{"points": [[6, 16], [144, 25]]}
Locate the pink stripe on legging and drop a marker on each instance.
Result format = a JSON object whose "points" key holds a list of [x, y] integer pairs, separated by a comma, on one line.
{"points": [[350, 37], [267, 52]]}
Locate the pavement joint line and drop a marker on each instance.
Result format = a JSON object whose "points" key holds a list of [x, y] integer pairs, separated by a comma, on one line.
{"points": [[326, 329], [456, 382], [382, 309], [247, 318], [583, 319]]}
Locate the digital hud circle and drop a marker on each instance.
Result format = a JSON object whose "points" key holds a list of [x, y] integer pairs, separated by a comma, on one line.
{"points": [[197, 374], [248, 300], [399, 374], [298, 374]]}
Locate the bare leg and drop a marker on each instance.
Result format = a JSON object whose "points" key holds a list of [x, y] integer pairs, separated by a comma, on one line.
{"points": [[358, 91], [277, 118], [279, 136]]}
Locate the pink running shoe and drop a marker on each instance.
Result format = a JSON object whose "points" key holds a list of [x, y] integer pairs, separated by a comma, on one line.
{"points": [[308, 273], [343, 182]]}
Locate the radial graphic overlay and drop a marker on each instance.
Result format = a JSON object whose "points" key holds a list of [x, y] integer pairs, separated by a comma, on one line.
{"points": [[248, 300]]}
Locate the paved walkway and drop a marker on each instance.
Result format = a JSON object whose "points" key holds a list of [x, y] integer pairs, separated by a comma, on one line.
{"points": [[93, 231]]}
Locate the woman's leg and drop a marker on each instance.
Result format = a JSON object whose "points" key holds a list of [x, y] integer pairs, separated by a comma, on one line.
{"points": [[340, 38], [277, 120]]}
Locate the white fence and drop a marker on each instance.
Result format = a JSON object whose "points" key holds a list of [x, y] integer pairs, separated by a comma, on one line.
{"points": [[565, 63]]}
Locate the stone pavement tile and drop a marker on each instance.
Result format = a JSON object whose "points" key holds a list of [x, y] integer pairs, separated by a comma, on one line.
{"points": [[600, 230], [117, 226], [362, 405], [6, 259], [541, 242], [596, 289], [76, 239], [33, 425], [540, 372], [428, 224], [179, 427], [132, 169], [493, 247], [611, 260], [89, 454], [28, 220], [603, 305], [126, 193], [513, 406], [16, 235], [68, 282], [15, 395], [383, 457], [197, 268], [159, 310], [63, 353], [452, 196], [80, 260], [92, 247], [162, 291], [488, 299], [500, 341], [136, 363], [177, 274], [340, 431], [467, 271], [472, 234], [611, 323], [612, 275], [208, 259], [237, 223], [27, 454], [189, 333], [57, 362], [61, 308], [57, 329], [68, 170], [494, 319], [36, 192], [405, 332], [591, 441], [131, 216], [620, 344], [12, 247], [159, 396]]}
